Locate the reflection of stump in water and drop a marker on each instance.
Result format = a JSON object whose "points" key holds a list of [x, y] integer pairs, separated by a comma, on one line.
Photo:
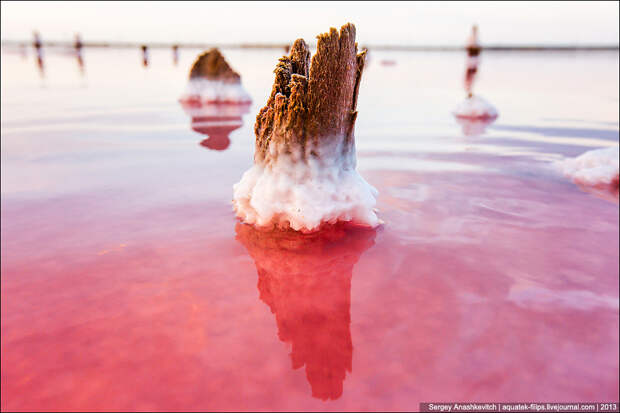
{"points": [[145, 55], [305, 279], [78, 45], [216, 121], [80, 62], [217, 129], [474, 127], [608, 192], [40, 64], [175, 54]]}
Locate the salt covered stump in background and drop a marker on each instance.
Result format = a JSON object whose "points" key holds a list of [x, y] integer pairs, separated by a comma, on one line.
{"points": [[474, 108], [595, 167], [212, 80], [304, 162]]}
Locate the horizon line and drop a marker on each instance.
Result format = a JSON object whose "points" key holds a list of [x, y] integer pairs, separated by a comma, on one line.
{"points": [[191, 45]]}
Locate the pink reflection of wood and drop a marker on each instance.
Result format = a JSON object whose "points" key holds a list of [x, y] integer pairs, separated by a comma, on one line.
{"points": [[476, 126], [609, 192], [216, 120], [305, 279], [217, 129]]}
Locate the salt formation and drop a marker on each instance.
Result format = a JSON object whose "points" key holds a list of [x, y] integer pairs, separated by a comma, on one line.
{"points": [[474, 107], [596, 167], [304, 161], [305, 279], [212, 80]]}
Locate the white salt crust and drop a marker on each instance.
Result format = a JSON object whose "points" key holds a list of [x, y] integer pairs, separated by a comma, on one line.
{"points": [[596, 167], [305, 194], [215, 91], [475, 107]]}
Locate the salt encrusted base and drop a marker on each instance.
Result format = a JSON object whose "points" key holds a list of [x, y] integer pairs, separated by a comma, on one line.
{"points": [[214, 91], [304, 195], [596, 167], [475, 107]]}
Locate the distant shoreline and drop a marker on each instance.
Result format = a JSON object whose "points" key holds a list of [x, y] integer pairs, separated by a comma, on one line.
{"points": [[132, 45]]}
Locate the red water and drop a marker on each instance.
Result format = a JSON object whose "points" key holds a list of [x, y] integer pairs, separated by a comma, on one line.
{"points": [[127, 283]]}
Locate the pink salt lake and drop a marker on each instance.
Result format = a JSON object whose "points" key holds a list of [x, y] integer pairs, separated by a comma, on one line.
{"points": [[127, 283]]}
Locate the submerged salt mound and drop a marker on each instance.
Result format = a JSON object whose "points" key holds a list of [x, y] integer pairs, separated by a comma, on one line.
{"points": [[475, 107], [596, 167], [212, 80], [304, 161]]}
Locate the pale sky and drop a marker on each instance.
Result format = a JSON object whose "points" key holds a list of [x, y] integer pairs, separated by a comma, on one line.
{"points": [[433, 23]]}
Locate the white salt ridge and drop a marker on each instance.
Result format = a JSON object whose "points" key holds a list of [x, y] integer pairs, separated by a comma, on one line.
{"points": [[599, 166], [304, 195], [475, 107], [215, 91]]}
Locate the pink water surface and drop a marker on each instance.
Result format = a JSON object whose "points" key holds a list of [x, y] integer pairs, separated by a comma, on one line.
{"points": [[128, 284]]}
